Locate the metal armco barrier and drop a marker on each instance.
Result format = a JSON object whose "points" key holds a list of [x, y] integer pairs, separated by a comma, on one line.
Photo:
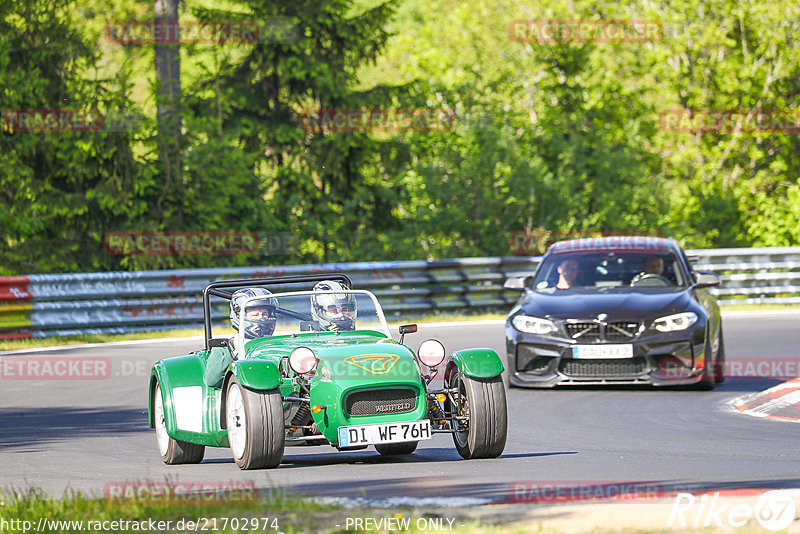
{"points": [[119, 302]]}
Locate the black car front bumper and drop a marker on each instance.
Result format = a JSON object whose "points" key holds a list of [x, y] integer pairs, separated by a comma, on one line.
{"points": [[659, 359]]}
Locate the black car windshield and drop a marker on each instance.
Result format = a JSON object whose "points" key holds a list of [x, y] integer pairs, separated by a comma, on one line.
{"points": [[605, 270]]}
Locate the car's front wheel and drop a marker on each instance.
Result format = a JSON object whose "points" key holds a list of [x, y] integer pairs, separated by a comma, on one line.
{"points": [[395, 449], [482, 419], [254, 420], [713, 370], [173, 451]]}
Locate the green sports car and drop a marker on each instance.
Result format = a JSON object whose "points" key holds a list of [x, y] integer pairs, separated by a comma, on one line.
{"points": [[300, 382]]}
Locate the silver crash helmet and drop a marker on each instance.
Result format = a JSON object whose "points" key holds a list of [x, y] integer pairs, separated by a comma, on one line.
{"points": [[333, 311], [260, 315]]}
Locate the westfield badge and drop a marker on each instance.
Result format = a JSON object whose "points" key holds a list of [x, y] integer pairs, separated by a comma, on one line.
{"points": [[378, 364]]}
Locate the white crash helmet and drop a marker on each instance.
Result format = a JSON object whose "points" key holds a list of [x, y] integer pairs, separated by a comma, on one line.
{"points": [[333, 311], [254, 328]]}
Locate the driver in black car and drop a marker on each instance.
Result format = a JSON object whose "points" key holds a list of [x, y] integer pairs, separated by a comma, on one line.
{"points": [[653, 265], [652, 273]]}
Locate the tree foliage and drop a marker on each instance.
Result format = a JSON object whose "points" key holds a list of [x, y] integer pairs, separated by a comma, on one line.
{"points": [[545, 135]]}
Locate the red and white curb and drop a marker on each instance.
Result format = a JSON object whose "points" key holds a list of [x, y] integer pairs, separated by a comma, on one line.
{"points": [[781, 402]]}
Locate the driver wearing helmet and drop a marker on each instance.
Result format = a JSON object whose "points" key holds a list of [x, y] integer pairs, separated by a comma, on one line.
{"points": [[260, 317], [334, 312]]}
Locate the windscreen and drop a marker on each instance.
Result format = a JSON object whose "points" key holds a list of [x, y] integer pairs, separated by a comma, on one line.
{"points": [[600, 270], [311, 311]]}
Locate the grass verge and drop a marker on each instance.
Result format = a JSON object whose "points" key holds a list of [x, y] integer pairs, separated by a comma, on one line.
{"points": [[273, 511]]}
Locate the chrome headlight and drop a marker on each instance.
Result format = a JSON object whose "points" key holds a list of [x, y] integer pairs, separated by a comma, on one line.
{"points": [[674, 323], [302, 360], [431, 352], [534, 325]]}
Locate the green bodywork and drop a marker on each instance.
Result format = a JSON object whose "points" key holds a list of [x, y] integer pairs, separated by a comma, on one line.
{"points": [[348, 362]]}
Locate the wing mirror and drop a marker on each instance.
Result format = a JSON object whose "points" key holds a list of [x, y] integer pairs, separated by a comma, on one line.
{"points": [[706, 279], [517, 283], [406, 329]]}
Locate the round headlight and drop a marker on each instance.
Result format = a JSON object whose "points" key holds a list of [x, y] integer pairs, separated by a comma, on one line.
{"points": [[302, 360], [431, 352]]}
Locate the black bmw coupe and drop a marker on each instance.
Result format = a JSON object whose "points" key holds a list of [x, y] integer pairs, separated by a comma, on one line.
{"points": [[615, 310]]}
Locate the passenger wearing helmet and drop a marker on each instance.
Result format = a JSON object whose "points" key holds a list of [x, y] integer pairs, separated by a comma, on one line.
{"points": [[333, 312], [259, 319]]}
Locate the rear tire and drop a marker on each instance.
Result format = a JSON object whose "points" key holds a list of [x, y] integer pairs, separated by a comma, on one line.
{"points": [[483, 402], [173, 451], [396, 449], [254, 420]]}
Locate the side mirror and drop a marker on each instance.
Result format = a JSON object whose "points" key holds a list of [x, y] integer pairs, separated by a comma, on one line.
{"points": [[705, 279], [406, 329], [218, 342], [517, 283]]}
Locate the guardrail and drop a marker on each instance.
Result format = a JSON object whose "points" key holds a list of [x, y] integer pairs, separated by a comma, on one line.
{"points": [[119, 302]]}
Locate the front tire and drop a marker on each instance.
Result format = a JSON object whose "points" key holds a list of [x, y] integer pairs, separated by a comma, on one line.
{"points": [[173, 451], [396, 449], [709, 379], [254, 420], [483, 402]]}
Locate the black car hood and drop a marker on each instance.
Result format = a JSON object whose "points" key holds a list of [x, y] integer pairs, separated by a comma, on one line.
{"points": [[616, 303]]}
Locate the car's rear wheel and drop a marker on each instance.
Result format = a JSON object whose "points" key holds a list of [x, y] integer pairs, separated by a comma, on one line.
{"points": [[254, 420], [173, 451], [394, 449], [481, 405]]}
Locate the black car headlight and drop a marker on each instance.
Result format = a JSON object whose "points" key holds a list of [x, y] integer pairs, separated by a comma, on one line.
{"points": [[534, 325], [676, 322]]}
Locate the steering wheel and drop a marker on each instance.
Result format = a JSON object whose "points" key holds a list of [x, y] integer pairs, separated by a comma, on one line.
{"points": [[650, 280]]}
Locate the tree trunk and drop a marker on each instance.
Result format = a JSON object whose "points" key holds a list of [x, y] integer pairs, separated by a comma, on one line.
{"points": [[168, 97]]}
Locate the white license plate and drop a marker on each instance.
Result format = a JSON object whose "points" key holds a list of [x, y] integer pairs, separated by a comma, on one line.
{"points": [[588, 352], [378, 433]]}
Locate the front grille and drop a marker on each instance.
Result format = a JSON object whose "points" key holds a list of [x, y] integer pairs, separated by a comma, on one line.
{"points": [[596, 331], [603, 368], [584, 331], [380, 401]]}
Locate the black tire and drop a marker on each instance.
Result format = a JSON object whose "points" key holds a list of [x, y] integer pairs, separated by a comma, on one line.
{"points": [[255, 426], [395, 449], [173, 451], [719, 369], [483, 400], [708, 381]]}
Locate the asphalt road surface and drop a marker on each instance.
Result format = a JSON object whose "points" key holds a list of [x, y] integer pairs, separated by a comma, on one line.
{"points": [[83, 435]]}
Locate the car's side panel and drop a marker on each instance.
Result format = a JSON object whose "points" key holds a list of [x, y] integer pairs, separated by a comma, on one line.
{"points": [[189, 405], [477, 363]]}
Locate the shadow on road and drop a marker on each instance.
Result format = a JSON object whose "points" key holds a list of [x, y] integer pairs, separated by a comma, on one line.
{"points": [[426, 455], [28, 428]]}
